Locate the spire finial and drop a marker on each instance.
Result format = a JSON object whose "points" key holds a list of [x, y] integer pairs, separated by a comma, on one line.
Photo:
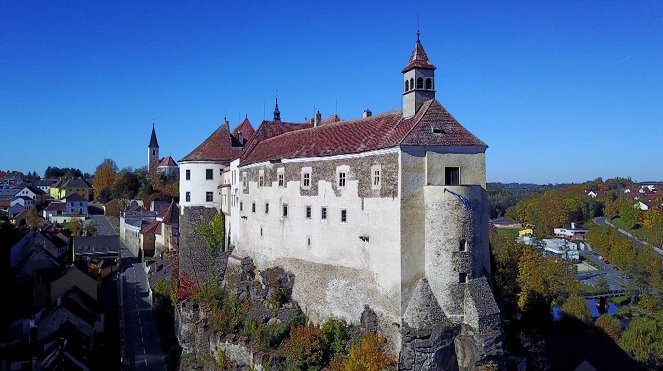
{"points": [[277, 113], [418, 33]]}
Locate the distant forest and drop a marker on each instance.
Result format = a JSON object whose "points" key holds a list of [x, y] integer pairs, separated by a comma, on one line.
{"points": [[502, 196]]}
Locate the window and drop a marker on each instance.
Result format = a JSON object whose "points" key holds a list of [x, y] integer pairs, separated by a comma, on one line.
{"points": [[344, 215], [241, 206], [462, 245], [209, 196], [412, 83], [154, 152], [451, 176], [244, 182], [261, 178], [307, 179], [188, 197], [429, 84], [266, 207], [407, 85], [188, 174], [280, 178], [209, 174], [285, 210], [341, 179], [308, 212], [462, 277], [420, 83], [308, 241], [376, 177], [253, 207], [323, 213]]}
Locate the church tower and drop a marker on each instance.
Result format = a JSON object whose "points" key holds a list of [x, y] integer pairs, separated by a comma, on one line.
{"points": [[418, 80], [153, 152]]}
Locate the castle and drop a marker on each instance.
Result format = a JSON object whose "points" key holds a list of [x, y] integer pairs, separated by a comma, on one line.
{"points": [[387, 211]]}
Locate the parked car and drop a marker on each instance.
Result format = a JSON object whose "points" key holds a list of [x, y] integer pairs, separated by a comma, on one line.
{"points": [[606, 261]]}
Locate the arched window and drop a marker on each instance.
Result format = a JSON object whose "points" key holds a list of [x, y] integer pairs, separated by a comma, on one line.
{"points": [[412, 83], [429, 84], [420, 83], [407, 85]]}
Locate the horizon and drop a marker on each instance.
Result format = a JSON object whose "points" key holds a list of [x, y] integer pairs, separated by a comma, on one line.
{"points": [[561, 79]]}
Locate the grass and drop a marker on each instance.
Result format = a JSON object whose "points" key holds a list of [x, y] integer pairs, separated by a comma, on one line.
{"points": [[651, 236], [619, 300], [587, 288]]}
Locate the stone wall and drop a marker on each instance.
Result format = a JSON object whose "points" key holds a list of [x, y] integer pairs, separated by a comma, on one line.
{"points": [[194, 259]]}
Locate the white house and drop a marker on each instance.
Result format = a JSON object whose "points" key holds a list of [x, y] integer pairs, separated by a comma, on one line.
{"points": [[576, 232], [24, 201]]}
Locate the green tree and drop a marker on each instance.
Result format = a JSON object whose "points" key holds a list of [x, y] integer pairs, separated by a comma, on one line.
{"points": [[640, 340], [602, 285], [91, 229], [576, 306], [629, 214], [305, 350], [336, 335]]}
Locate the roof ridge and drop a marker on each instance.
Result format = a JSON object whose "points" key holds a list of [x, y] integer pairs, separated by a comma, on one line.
{"points": [[422, 113]]}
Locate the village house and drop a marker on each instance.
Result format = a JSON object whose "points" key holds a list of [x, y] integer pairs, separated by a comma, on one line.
{"points": [[66, 187], [576, 232], [388, 211]]}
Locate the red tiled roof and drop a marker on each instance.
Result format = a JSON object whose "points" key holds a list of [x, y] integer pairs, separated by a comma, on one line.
{"points": [[330, 119], [245, 128], [5, 203], [151, 228], [419, 59], [217, 147], [270, 129], [167, 161], [57, 206], [170, 214], [365, 134]]}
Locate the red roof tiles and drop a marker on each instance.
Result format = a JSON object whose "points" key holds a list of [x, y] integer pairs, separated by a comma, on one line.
{"points": [[167, 161], [419, 59], [354, 136], [245, 128], [217, 147]]}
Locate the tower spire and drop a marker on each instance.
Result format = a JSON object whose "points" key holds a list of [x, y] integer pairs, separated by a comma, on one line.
{"points": [[277, 113]]}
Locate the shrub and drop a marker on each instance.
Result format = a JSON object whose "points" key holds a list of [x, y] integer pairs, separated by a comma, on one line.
{"points": [[336, 335], [576, 307], [270, 336], [649, 303], [305, 350], [609, 325], [366, 355]]}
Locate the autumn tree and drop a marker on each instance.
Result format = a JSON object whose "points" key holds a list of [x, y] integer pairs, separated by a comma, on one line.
{"points": [[366, 355], [75, 227], [506, 255], [33, 218], [641, 340], [104, 176], [542, 280], [610, 326]]}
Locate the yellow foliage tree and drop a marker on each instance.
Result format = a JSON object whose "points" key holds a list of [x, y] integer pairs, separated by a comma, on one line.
{"points": [[366, 355], [104, 176], [543, 278]]}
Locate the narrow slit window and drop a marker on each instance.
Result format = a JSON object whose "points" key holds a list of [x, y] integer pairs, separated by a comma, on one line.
{"points": [[285, 210], [462, 277], [344, 216], [323, 213], [308, 212], [462, 246], [341, 179]]}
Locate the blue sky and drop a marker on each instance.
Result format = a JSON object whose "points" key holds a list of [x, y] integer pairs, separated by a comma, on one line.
{"points": [[561, 91]]}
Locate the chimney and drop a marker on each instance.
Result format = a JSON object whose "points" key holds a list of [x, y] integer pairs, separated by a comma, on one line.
{"points": [[317, 119], [367, 113]]}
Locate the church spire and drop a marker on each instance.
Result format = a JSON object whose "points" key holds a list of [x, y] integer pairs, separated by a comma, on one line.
{"points": [[153, 139], [277, 113], [418, 80]]}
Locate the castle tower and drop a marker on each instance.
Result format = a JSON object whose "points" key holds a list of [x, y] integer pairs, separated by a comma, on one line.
{"points": [[418, 80], [153, 152]]}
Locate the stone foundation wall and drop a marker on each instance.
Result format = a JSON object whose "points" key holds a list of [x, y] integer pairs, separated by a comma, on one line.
{"points": [[194, 259]]}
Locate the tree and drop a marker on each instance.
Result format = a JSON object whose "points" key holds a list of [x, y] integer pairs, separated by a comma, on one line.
{"points": [[576, 307], [542, 280], [506, 255], [75, 227], [629, 214], [104, 176], [640, 339], [32, 219], [90, 229], [610, 326], [366, 355], [305, 349], [125, 185], [104, 195]]}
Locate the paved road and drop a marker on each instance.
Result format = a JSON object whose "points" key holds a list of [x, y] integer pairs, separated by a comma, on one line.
{"points": [[615, 279], [142, 343]]}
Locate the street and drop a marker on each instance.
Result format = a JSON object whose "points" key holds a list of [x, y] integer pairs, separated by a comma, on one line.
{"points": [[613, 277], [142, 345]]}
